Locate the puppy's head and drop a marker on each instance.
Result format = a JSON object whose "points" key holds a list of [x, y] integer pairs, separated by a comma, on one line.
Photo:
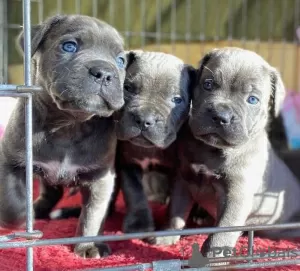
{"points": [[80, 62], [236, 93], [157, 99]]}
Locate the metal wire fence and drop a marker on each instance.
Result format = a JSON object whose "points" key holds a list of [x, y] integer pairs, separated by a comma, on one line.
{"points": [[185, 28]]}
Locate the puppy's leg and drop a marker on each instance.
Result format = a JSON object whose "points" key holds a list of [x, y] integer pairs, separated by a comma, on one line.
{"points": [[138, 216], [95, 201], [179, 209], [67, 212], [112, 204], [49, 197], [234, 208], [12, 196], [157, 185]]}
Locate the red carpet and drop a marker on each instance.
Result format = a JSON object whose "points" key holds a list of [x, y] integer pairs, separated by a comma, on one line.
{"points": [[124, 253]]}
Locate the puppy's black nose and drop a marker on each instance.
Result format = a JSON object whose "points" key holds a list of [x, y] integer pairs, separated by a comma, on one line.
{"points": [[222, 115], [101, 74], [145, 121]]}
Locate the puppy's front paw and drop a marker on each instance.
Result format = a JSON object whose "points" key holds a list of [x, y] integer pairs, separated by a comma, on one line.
{"points": [[91, 250], [167, 240]]}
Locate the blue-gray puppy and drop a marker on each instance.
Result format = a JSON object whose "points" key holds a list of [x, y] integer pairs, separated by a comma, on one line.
{"points": [[79, 62], [227, 163], [157, 102]]}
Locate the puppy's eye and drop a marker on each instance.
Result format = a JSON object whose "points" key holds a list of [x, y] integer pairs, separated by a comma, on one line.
{"points": [[252, 100], [177, 100], [120, 62], [69, 46], [208, 84]]}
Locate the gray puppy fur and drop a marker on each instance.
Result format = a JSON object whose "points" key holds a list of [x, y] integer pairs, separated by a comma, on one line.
{"points": [[156, 91], [292, 160], [79, 62], [227, 163], [157, 103]]}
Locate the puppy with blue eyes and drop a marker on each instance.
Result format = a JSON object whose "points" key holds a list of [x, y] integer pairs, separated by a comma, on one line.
{"points": [[227, 163], [79, 62], [157, 103]]}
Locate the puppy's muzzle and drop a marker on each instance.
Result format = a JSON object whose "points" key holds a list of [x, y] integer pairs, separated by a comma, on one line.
{"points": [[102, 75], [106, 75], [221, 115], [145, 120]]}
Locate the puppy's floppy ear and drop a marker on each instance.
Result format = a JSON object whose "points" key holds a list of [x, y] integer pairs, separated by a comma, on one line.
{"points": [[131, 56], [192, 74], [207, 57], [38, 33], [278, 92], [204, 61]]}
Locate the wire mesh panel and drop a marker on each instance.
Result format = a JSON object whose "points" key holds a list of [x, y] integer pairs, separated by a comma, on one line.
{"points": [[185, 28]]}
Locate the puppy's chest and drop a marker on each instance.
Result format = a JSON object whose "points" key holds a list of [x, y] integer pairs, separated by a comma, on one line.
{"points": [[147, 163], [205, 185], [64, 171], [199, 159], [64, 132], [82, 143], [201, 166], [148, 159], [61, 157]]}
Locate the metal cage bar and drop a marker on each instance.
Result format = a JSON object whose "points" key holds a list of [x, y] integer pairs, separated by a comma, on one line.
{"points": [[142, 235], [28, 126], [31, 237], [3, 39]]}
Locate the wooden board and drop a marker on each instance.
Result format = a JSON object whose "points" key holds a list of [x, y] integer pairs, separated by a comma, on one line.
{"points": [[283, 56]]}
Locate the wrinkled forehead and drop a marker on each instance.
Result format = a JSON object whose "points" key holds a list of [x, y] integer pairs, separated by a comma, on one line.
{"points": [[149, 76], [153, 69], [87, 29], [238, 72]]}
